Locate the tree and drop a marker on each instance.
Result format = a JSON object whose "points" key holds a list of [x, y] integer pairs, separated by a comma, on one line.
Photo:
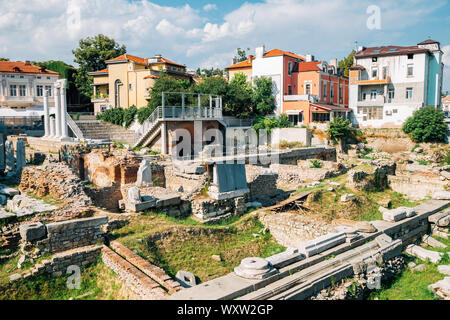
{"points": [[4, 59], [347, 62], [426, 125], [262, 96], [91, 54], [241, 55], [340, 130]]}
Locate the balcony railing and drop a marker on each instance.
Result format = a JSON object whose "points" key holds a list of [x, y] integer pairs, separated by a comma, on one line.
{"points": [[378, 101], [301, 97]]}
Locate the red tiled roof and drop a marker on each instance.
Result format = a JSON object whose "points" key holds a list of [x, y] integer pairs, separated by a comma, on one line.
{"points": [[22, 67], [388, 50], [129, 57], [171, 62], [309, 66], [243, 64], [329, 107], [151, 76], [100, 71], [278, 52]]}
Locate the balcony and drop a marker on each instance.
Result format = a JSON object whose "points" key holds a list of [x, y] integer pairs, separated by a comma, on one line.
{"points": [[301, 97], [379, 101], [374, 81], [100, 100]]}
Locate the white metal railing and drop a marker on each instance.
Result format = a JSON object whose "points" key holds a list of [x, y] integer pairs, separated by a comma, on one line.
{"points": [[74, 127]]}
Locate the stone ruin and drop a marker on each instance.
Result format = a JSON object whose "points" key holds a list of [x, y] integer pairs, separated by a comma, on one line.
{"points": [[12, 163]]}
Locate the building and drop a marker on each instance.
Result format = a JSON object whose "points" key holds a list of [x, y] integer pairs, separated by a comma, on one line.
{"points": [[276, 64], [127, 79], [22, 88], [319, 94], [446, 105], [308, 91], [388, 83]]}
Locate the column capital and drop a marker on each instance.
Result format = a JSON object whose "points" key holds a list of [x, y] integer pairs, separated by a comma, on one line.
{"points": [[62, 83]]}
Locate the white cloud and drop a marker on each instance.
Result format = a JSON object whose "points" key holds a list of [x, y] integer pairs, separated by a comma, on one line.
{"points": [[38, 29], [209, 7]]}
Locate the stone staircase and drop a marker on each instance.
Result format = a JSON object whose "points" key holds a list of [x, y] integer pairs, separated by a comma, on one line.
{"points": [[95, 129]]}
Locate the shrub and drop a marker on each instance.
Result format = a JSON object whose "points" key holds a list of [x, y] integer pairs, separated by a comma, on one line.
{"points": [[144, 113], [315, 164], [426, 125], [113, 115], [129, 115], [269, 123], [340, 129]]}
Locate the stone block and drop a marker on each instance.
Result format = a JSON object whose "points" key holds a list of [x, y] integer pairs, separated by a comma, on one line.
{"points": [[441, 195], [383, 240], [441, 218], [287, 257], [144, 175], [433, 242], [424, 254], [32, 231], [347, 197], [395, 215], [365, 226], [76, 224], [322, 243], [444, 269]]}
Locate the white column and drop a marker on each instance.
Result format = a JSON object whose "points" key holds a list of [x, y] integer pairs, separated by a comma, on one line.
{"points": [[52, 128], [163, 138], [57, 111], [46, 115], [64, 130]]}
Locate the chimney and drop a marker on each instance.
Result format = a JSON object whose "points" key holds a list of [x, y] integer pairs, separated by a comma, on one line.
{"points": [[259, 52], [309, 58], [27, 63]]}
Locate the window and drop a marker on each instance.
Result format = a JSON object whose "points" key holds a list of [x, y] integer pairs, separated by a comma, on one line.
{"points": [[130, 87], [410, 70], [289, 89], [308, 89], [385, 72], [374, 72], [391, 93], [374, 59], [410, 56], [13, 90], [394, 110], [332, 92], [290, 67], [340, 92], [39, 91], [22, 91], [320, 116], [49, 90], [294, 119], [324, 90], [409, 93], [371, 113], [364, 96], [373, 95], [48, 78]]}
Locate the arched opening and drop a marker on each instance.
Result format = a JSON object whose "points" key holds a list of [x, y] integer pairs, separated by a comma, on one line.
{"points": [[117, 85]]}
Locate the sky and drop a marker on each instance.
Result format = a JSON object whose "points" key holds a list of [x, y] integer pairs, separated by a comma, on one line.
{"points": [[206, 33]]}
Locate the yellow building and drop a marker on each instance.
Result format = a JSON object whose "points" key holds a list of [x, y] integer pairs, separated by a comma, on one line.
{"points": [[127, 80]]}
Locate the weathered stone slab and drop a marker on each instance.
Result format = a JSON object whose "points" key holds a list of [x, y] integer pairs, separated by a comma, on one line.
{"points": [[441, 195], [398, 214], [365, 226], [134, 195], [441, 288], [444, 269], [424, 254], [289, 256], [347, 197], [32, 231], [441, 218], [383, 240], [433, 242], [76, 224], [144, 174], [322, 243], [11, 192], [10, 160], [20, 153], [255, 268]]}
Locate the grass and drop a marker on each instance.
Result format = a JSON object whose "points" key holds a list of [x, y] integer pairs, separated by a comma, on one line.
{"points": [[413, 285], [98, 282], [233, 241]]}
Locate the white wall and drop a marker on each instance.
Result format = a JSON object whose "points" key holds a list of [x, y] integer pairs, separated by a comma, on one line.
{"points": [[271, 67]]}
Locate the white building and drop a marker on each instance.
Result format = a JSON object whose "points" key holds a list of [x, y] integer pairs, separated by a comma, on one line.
{"points": [[388, 83], [22, 87]]}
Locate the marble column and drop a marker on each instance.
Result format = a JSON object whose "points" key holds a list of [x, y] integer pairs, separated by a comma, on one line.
{"points": [[20, 155], [2, 153], [64, 129], [52, 127], [9, 156], [57, 111], [46, 115]]}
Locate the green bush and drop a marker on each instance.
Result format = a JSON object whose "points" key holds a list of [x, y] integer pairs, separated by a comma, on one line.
{"points": [[113, 115], [315, 164], [129, 115], [426, 125], [269, 123], [340, 129], [144, 113]]}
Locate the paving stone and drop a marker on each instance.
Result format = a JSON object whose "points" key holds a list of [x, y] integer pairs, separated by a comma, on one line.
{"points": [[424, 254], [322, 243], [433, 242], [444, 269]]}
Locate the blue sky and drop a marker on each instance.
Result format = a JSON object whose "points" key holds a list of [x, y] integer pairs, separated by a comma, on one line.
{"points": [[206, 33]]}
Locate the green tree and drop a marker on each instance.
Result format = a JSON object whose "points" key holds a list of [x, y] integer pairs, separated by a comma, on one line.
{"points": [[4, 59], [262, 96], [241, 55], [340, 130], [426, 125], [347, 62], [91, 54]]}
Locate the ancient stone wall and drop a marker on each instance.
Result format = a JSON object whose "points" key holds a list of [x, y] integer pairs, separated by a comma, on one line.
{"points": [[106, 197], [262, 184], [182, 182], [65, 235], [207, 209], [292, 156]]}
